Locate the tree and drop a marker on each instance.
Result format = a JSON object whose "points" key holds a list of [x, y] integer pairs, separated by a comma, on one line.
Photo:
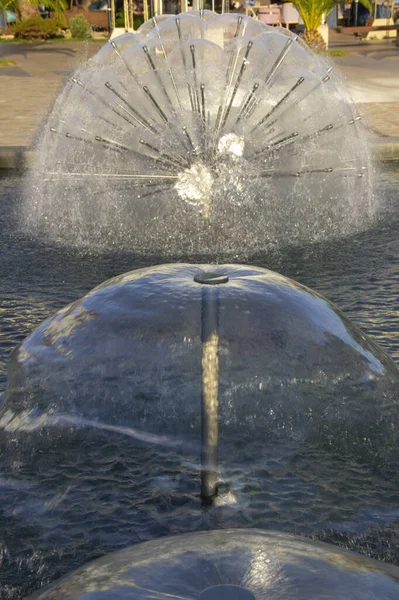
{"points": [[312, 13], [21, 6]]}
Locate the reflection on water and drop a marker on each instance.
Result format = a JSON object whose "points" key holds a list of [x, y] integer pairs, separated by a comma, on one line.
{"points": [[360, 274]]}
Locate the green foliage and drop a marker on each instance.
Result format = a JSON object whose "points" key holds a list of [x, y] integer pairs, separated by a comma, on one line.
{"points": [[137, 21], [120, 20], [80, 28], [56, 6], [312, 11], [36, 28], [8, 5], [336, 52]]}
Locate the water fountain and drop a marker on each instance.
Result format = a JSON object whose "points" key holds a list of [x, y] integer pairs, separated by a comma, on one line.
{"points": [[190, 397], [195, 131], [230, 565], [298, 414]]}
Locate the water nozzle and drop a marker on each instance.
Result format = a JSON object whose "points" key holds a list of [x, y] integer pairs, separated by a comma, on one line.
{"points": [[210, 278]]}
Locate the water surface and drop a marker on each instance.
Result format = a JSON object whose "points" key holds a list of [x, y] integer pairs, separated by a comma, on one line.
{"points": [[360, 274]]}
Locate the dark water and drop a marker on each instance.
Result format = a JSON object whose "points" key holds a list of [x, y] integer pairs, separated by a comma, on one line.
{"points": [[360, 274]]}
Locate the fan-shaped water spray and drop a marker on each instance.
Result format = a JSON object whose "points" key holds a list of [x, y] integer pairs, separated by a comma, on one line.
{"points": [[201, 133]]}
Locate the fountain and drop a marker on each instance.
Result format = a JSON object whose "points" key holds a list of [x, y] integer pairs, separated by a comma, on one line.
{"points": [[187, 397], [201, 134], [230, 565], [297, 428]]}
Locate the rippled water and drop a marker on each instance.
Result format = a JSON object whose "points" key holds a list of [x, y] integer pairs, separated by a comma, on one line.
{"points": [[360, 274]]}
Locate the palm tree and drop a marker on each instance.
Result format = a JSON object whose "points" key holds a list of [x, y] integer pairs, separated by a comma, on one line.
{"points": [[312, 13], [21, 6]]}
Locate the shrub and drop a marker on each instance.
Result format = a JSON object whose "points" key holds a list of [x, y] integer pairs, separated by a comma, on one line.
{"points": [[120, 20], [36, 28], [80, 28]]}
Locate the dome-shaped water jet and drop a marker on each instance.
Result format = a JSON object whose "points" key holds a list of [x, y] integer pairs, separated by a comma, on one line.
{"points": [[102, 427], [230, 565]]}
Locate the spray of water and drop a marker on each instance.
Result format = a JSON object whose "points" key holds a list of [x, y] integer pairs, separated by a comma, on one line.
{"points": [[33, 420], [202, 133]]}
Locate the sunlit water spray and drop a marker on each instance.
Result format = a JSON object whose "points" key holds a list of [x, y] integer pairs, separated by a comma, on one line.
{"points": [[197, 123]]}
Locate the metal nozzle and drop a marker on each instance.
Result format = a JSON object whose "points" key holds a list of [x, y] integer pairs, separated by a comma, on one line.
{"points": [[210, 278]]}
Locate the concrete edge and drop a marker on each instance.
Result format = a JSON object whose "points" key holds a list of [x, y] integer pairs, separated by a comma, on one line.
{"points": [[385, 149], [15, 157], [19, 158]]}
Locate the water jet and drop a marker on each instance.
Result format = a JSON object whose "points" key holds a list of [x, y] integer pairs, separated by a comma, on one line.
{"points": [[230, 565], [225, 387], [210, 380], [305, 406], [192, 122]]}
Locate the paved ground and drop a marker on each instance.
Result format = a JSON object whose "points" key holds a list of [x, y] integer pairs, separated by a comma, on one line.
{"points": [[371, 71], [28, 90]]}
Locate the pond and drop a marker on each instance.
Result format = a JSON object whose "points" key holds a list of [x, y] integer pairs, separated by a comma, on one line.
{"points": [[360, 274]]}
